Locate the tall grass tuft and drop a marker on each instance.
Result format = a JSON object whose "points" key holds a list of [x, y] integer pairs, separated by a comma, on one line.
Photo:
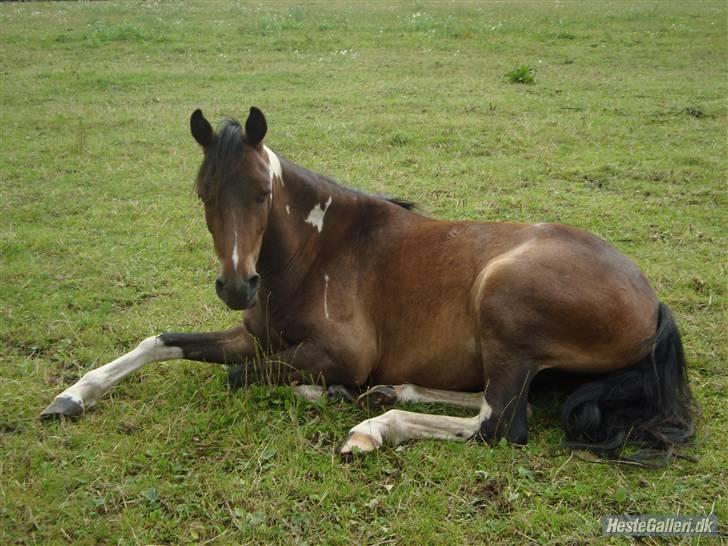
{"points": [[522, 74]]}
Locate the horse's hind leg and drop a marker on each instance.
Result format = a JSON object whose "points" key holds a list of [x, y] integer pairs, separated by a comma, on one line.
{"points": [[313, 393], [507, 382], [503, 413], [227, 347], [388, 395], [396, 426]]}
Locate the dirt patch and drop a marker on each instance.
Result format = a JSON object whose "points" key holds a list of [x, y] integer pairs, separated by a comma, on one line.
{"points": [[491, 494]]}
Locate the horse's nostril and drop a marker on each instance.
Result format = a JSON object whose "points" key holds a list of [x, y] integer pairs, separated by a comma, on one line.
{"points": [[253, 281], [218, 284]]}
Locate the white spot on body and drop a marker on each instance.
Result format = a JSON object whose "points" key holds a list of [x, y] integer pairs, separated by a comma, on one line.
{"points": [[288, 209], [326, 291], [316, 216]]}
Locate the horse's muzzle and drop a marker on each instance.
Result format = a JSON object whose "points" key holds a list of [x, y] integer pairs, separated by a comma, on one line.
{"points": [[238, 293]]}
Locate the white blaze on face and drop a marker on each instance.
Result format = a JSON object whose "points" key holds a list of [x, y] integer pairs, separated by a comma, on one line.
{"points": [[326, 292], [236, 258], [274, 166], [316, 216]]}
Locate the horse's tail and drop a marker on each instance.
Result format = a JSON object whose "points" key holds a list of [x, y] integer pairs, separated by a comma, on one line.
{"points": [[648, 405]]}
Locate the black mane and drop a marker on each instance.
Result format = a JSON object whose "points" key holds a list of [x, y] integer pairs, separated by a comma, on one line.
{"points": [[404, 203], [226, 151]]}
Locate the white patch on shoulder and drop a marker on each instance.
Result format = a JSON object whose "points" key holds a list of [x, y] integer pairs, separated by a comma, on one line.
{"points": [[274, 166], [326, 292], [316, 216]]}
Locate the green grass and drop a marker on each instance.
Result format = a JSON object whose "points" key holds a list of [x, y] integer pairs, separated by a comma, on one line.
{"points": [[102, 243], [522, 74]]}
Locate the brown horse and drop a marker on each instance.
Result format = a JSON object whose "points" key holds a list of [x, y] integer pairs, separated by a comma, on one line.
{"points": [[344, 288]]}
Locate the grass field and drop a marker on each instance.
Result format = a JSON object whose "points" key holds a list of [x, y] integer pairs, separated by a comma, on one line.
{"points": [[102, 243]]}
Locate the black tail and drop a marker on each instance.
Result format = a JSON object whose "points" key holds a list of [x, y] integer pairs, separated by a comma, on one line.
{"points": [[648, 405]]}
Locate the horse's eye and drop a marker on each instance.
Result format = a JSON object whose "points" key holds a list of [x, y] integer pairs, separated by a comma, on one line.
{"points": [[263, 196]]}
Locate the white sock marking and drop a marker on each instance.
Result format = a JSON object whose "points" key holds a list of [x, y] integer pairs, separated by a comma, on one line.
{"points": [[397, 426], [312, 393], [485, 410], [414, 393], [316, 216], [98, 382]]}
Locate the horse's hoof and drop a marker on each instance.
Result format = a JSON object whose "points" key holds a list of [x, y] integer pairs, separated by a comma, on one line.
{"points": [[237, 377], [356, 444], [63, 406], [339, 393], [378, 397], [345, 457]]}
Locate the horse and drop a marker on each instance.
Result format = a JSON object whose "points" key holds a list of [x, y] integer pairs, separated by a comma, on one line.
{"points": [[346, 292]]}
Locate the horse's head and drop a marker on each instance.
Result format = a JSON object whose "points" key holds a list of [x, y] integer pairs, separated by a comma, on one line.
{"points": [[235, 183]]}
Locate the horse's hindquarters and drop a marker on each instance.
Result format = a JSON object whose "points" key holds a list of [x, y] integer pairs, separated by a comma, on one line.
{"points": [[567, 300]]}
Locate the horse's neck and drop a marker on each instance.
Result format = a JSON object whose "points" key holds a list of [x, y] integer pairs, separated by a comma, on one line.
{"points": [[300, 222]]}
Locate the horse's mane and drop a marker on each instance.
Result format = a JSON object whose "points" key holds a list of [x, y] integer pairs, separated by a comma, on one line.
{"points": [[227, 145], [404, 203]]}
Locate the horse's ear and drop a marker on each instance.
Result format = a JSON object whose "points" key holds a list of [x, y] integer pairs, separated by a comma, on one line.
{"points": [[201, 128], [255, 127]]}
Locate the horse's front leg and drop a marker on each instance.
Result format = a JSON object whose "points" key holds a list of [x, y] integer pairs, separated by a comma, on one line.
{"points": [[227, 347], [302, 363]]}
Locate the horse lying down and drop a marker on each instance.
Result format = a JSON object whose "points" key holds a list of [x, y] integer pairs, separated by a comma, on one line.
{"points": [[347, 289]]}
